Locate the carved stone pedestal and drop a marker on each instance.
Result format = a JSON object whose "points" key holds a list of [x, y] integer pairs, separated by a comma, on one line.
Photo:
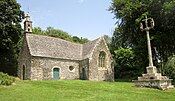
{"points": [[154, 80]]}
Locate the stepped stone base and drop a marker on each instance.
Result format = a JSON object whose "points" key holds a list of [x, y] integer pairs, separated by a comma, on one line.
{"points": [[154, 80]]}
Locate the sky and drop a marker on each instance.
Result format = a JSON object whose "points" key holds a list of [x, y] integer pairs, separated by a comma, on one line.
{"points": [[83, 18]]}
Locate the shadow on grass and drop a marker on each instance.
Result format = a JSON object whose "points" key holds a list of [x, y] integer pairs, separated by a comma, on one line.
{"points": [[123, 80], [129, 79]]}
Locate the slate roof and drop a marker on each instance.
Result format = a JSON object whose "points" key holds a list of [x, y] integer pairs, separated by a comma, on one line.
{"points": [[88, 48], [45, 46]]}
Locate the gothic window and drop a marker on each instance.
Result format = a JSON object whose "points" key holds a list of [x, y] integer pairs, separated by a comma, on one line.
{"points": [[101, 60]]}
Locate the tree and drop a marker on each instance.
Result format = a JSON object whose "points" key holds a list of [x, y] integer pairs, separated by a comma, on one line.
{"points": [[58, 33], [10, 34], [83, 40], [129, 13], [169, 68], [38, 30], [50, 31], [124, 63], [76, 39]]}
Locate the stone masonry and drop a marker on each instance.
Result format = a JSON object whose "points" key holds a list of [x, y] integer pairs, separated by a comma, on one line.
{"points": [[48, 58]]}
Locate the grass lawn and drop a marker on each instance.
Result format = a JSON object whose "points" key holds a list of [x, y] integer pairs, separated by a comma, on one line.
{"points": [[74, 90]]}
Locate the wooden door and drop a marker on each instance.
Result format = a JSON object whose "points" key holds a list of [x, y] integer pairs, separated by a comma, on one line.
{"points": [[56, 73]]}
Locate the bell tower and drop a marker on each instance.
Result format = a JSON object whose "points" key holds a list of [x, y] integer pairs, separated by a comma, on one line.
{"points": [[27, 24]]}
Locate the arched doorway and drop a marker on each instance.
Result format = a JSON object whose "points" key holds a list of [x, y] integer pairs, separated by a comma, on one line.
{"points": [[56, 73], [23, 72]]}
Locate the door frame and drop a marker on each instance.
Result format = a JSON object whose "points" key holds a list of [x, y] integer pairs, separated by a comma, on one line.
{"points": [[53, 72], [84, 73]]}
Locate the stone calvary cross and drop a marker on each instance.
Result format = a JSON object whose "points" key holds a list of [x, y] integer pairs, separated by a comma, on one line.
{"points": [[146, 25], [152, 78]]}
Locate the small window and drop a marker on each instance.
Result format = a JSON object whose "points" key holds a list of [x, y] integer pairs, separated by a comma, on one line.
{"points": [[28, 25], [28, 29], [71, 68]]}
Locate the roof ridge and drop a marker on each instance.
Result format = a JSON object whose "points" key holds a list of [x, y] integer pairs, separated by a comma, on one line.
{"points": [[46, 46], [53, 38]]}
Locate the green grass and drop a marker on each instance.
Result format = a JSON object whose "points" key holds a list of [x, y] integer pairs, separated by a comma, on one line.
{"points": [[77, 90]]}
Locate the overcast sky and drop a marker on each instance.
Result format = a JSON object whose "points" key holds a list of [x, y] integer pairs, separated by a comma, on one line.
{"points": [[83, 18]]}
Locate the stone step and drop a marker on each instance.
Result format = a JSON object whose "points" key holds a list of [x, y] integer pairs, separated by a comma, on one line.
{"points": [[167, 87], [154, 76]]}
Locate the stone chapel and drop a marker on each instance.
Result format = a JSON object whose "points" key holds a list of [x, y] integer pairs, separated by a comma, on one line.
{"points": [[48, 58]]}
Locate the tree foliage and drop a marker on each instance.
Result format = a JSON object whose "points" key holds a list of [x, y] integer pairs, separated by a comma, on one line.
{"points": [[129, 13], [10, 34], [124, 62], [169, 68], [5, 79], [50, 31]]}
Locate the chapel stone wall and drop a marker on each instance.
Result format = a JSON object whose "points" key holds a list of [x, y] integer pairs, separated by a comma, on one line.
{"points": [[24, 63], [42, 68], [84, 69], [101, 74]]}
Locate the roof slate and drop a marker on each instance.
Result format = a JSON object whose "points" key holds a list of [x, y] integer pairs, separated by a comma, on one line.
{"points": [[88, 47], [45, 46]]}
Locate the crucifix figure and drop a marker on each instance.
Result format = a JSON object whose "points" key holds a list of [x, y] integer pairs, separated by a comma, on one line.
{"points": [[146, 25]]}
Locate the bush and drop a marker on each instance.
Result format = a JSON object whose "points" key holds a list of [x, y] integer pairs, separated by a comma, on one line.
{"points": [[124, 63], [5, 79], [169, 68]]}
